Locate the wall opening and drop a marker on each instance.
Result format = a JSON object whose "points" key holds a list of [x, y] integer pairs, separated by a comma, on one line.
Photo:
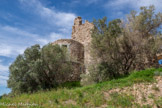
{"points": [[64, 46]]}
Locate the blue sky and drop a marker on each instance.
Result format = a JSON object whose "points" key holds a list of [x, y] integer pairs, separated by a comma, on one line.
{"points": [[27, 22]]}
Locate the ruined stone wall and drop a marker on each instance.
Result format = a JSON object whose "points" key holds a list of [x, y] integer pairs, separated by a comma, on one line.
{"points": [[75, 48], [78, 47], [82, 33], [76, 52]]}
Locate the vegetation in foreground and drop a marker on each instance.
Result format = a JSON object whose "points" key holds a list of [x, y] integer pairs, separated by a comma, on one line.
{"points": [[39, 69], [119, 47], [90, 96]]}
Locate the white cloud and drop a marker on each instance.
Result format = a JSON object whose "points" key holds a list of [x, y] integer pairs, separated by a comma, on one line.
{"points": [[10, 50], [14, 41], [18, 31], [51, 37], [119, 8], [3, 68], [55, 36], [5, 51], [3, 82], [133, 4], [3, 77], [41, 40], [52, 16], [3, 74]]}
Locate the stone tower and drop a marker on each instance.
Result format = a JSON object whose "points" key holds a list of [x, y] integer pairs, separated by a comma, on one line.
{"points": [[82, 33]]}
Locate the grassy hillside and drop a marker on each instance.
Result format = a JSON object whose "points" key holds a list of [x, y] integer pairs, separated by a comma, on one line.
{"points": [[110, 94]]}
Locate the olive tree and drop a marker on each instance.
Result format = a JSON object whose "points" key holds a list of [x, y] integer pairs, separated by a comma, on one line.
{"points": [[39, 69], [118, 47]]}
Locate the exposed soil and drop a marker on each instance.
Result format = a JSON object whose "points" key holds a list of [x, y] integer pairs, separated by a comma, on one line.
{"points": [[144, 93]]}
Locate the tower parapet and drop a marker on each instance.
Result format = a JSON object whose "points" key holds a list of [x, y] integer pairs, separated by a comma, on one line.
{"points": [[78, 21], [82, 33]]}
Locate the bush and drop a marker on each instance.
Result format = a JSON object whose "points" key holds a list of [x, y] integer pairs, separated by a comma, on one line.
{"points": [[39, 69], [119, 47]]}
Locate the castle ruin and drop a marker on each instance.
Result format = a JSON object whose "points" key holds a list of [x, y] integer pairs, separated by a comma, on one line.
{"points": [[78, 47]]}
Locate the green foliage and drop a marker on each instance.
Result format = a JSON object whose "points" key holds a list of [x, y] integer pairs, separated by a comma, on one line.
{"points": [[120, 47], [70, 85], [105, 48], [158, 102], [23, 77], [88, 96], [55, 64], [121, 100], [39, 69], [147, 21]]}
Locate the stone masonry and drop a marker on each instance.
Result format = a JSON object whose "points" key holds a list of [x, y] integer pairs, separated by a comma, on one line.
{"points": [[82, 33], [76, 52], [78, 47]]}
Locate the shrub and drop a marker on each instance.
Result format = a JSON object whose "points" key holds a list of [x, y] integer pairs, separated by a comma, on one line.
{"points": [[119, 47], [38, 69]]}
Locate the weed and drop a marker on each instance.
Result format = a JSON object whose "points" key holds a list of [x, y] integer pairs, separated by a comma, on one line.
{"points": [[121, 100], [87, 96], [155, 88]]}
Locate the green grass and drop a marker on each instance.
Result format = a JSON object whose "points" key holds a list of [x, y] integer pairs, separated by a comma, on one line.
{"points": [[121, 100], [84, 97]]}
